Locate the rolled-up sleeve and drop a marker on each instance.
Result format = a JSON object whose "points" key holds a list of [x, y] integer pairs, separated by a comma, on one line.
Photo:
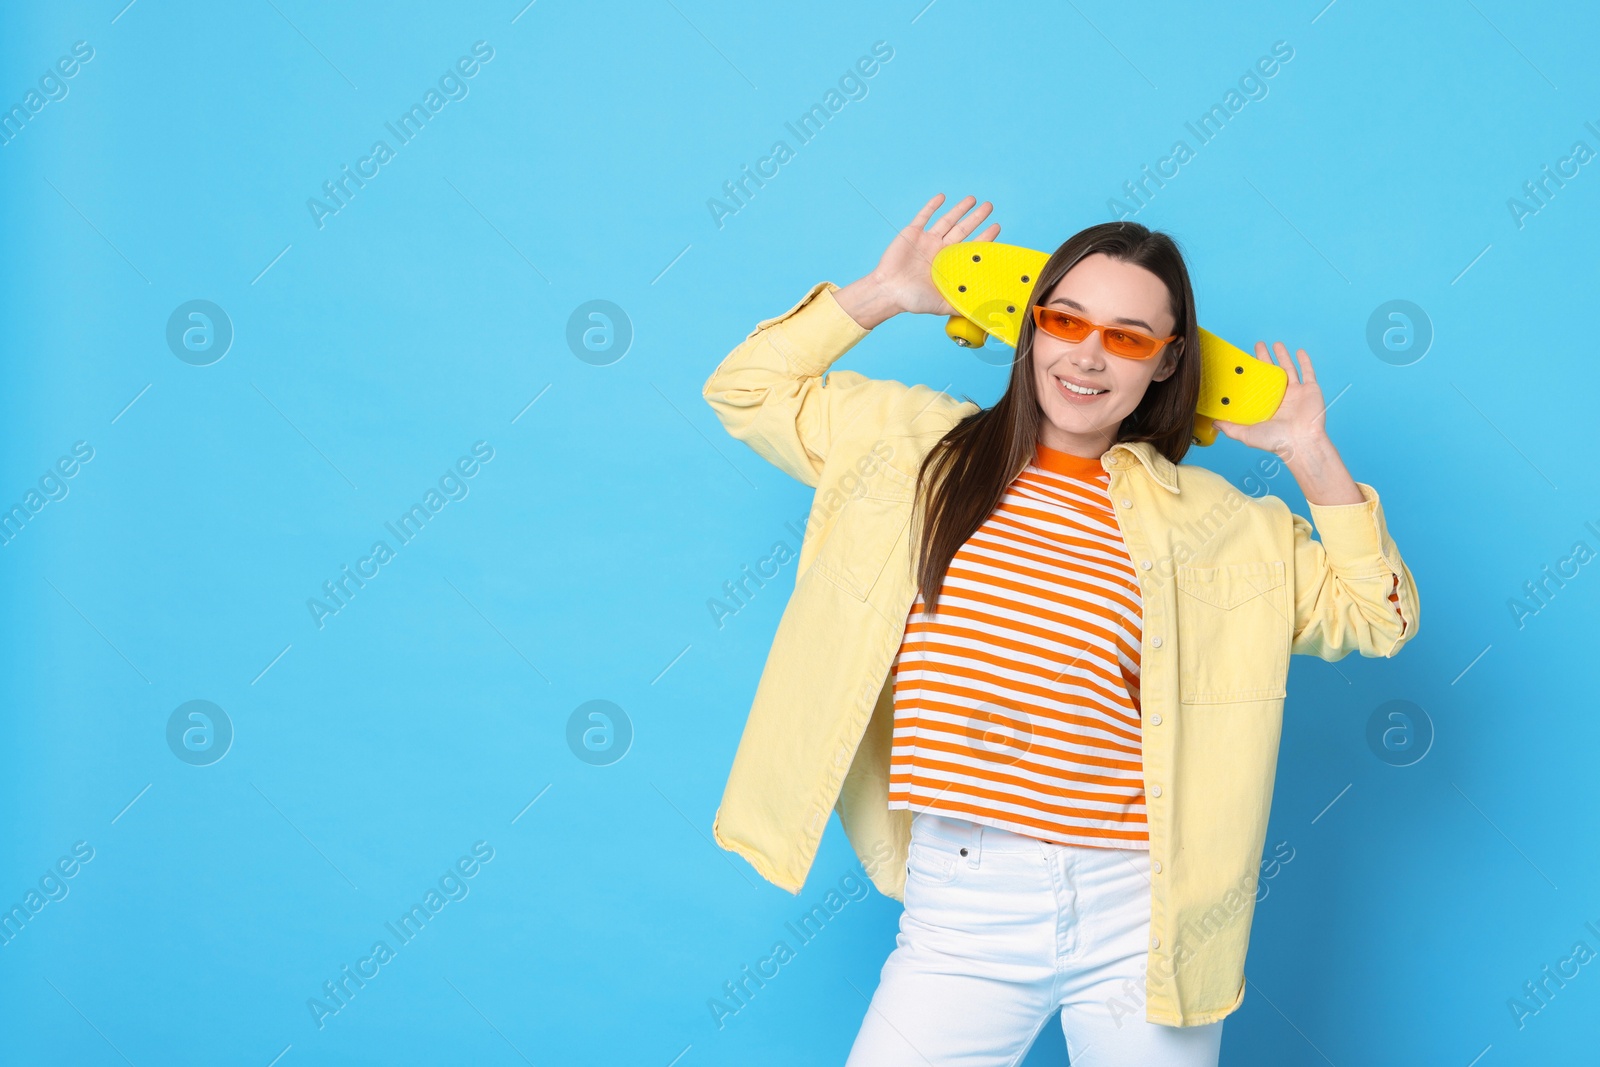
{"points": [[772, 391], [1353, 591]]}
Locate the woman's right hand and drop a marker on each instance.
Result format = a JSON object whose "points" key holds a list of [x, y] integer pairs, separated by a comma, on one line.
{"points": [[903, 278]]}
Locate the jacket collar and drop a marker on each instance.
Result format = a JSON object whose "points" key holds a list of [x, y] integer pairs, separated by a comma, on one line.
{"points": [[1162, 470]]}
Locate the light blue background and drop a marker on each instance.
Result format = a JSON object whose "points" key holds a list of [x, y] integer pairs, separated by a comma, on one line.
{"points": [[430, 312]]}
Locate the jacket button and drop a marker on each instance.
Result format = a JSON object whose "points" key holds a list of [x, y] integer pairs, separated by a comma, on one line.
{"points": [[1155, 865], [1155, 790], [1145, 564], [1155, 942], [1155, 718], [1127, 503], [1156, 641], [963, 852]]}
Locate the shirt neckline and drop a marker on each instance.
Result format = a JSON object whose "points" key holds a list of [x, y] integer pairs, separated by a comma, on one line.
{"points": [[1059, 462]]}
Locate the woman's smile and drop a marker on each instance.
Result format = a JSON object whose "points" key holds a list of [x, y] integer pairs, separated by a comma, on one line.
{"points": [[1077, 390]]}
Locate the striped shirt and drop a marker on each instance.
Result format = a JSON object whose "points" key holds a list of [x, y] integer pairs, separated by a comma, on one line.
{"points": [[1017, 704]]}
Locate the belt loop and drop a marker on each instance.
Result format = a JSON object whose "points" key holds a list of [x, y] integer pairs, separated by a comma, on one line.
{"points": [[975, 847]]}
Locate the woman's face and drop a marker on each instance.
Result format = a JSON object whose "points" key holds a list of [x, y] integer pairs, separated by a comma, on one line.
{"points": [[1110, 291]]}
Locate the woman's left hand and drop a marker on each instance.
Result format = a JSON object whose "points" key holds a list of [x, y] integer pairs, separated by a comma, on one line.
{"points": [[1301, 419]]}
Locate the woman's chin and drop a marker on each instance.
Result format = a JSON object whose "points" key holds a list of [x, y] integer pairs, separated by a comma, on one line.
{"points": [[1080, 424]]}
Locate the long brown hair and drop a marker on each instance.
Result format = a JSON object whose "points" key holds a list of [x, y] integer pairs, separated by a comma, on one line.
{"points": [[965, 475]]}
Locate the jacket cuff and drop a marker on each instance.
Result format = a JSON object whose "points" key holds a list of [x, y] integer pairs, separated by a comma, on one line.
{"points": [[1354, 536], [814, 333]]}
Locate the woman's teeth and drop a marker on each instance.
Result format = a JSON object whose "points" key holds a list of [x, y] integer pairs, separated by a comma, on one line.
{"points": [[1079, 389]]}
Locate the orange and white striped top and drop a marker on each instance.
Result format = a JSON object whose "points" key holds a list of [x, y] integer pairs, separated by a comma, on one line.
{"points": [[1017, 704]]}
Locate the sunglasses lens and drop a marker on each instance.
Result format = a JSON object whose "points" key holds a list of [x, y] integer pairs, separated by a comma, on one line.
{"points": [[1130, 345], [1062, 325]]}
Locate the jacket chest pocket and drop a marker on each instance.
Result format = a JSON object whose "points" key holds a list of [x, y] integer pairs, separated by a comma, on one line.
{"points": [[863, 538], [1233, 632]]}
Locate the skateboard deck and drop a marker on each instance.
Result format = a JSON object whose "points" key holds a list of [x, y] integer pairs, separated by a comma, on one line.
{"points": [[989, 284]]}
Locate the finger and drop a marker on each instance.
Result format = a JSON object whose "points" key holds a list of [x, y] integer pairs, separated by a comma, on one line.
{"points": [[1306, 373], [1280, 353], [1261, 351], [949, 218], [991, 233], [927, 211], [967, 225]]}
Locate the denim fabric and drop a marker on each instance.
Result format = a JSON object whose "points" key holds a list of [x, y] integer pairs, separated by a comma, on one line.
{"points": [[1001, 929]]}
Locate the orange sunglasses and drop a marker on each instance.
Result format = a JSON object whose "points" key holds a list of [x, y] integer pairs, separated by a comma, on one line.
{"points": [[1118, 340]]}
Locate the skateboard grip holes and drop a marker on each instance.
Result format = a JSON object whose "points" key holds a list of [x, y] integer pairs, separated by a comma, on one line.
{"points": [[1238, 370], [1025, 277], [1011, 309], [1224, 400], [976, 258], [961, 288]]}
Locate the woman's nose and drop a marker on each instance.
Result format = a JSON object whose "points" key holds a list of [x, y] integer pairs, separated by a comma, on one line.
{"points": [[1089, 352]]}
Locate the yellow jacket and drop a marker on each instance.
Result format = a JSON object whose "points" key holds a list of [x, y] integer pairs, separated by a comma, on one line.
{"points": [[1231, 586]]}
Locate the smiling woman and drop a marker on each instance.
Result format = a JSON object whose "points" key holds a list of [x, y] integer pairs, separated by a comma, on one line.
{"points": [[1042, 661], [1089, 390], [1075, 388]]}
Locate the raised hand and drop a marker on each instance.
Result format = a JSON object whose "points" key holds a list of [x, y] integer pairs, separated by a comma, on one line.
{"points": [[903, 278], [1301, 419]]}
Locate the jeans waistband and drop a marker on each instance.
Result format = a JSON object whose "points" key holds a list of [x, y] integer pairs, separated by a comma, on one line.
{"points": [[974, 836]]}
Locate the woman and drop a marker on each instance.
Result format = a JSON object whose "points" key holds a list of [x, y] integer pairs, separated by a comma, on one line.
{"points": [[1052, 659]]}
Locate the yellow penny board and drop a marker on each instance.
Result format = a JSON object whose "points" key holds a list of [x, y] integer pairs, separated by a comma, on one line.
{"points": [[989, 285]]}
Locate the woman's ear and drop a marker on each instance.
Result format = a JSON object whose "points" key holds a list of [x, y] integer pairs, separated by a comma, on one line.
{"points": [[1169, 360]]}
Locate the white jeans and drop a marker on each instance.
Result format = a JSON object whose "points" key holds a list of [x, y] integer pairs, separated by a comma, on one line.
{"points": [[1000, 930]]}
